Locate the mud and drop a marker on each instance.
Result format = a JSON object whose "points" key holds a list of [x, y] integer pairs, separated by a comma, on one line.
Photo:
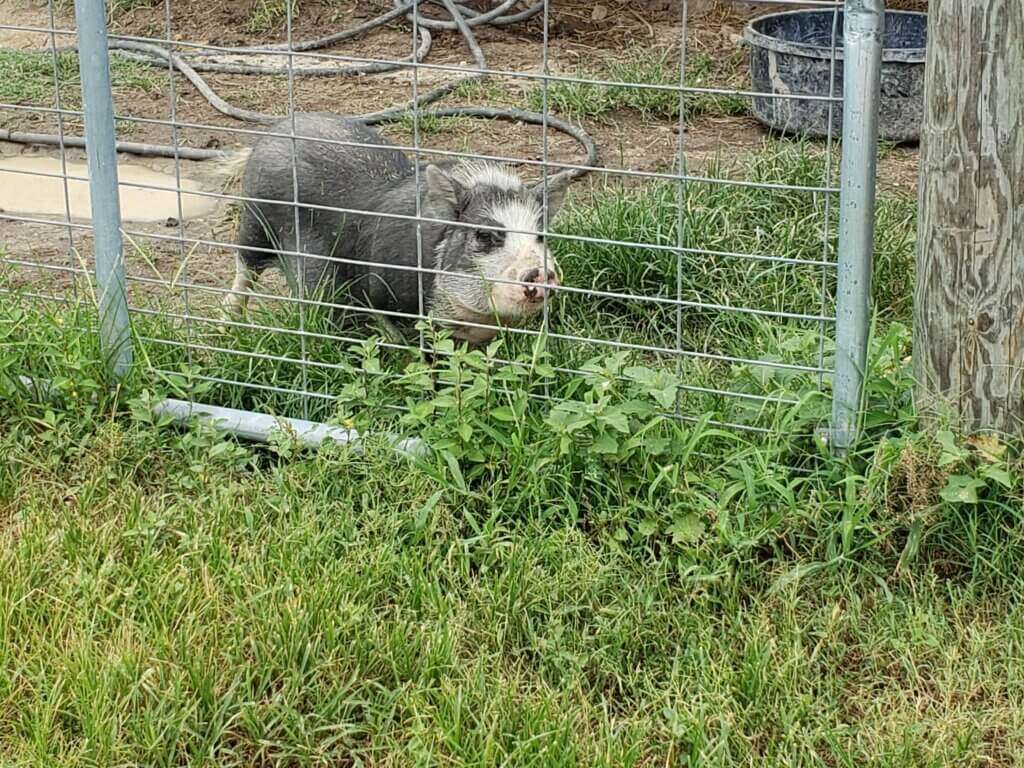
{"points": [[34, 185]]}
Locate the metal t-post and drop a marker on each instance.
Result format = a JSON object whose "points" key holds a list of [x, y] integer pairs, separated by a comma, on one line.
{"points": [[863, 26], [100, 149]]}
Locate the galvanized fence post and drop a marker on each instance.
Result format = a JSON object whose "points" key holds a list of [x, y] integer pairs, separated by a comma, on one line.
{"points": [[863, 27], [100, 149]]}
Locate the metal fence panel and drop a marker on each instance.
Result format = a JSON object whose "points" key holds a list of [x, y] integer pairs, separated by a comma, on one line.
{"points": [[601, 310]]}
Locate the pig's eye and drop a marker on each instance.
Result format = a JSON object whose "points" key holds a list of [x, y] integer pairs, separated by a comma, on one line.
{"points": [[489, 239]]}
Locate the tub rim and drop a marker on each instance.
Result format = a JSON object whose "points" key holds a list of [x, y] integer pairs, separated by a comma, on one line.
{"points": [[758, 39]]}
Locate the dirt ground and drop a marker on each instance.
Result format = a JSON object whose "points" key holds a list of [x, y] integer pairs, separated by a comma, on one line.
{"points": [[580, 34]]}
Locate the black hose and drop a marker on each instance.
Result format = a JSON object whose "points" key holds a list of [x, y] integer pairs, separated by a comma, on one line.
{"points": [[156, 52], [128, 147], [514, 115]]}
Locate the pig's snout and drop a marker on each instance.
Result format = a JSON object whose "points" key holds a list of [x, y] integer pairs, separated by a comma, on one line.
{"points": [[538, 285]]}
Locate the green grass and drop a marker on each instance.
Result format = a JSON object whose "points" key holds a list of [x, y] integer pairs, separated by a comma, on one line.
{"points": [[694, 597], [488, 90], [27, 78], [726, 219], [269, 14], [431, 125], [646, 66], [568, 579]]}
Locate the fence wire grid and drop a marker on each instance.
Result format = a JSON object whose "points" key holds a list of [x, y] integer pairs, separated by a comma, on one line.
{"points": [[692, 239]]}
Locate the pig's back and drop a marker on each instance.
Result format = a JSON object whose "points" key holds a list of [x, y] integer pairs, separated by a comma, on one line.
{"points": [[330, 174]]}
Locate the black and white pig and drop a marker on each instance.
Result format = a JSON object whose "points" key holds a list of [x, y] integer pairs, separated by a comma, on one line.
{"points": [[472, 263]]}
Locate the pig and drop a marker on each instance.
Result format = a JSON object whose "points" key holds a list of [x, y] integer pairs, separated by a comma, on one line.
{"points": [[490, 272]]}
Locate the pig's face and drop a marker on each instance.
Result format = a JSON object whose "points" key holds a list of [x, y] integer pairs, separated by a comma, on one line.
{"points": [[507, 266]]}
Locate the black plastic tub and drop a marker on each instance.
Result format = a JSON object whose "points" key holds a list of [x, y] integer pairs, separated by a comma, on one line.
{"points": [[790, 53]]}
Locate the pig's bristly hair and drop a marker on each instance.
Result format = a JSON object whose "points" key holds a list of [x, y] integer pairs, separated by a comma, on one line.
{"points": [[518, 214], [522, 218], [484, 174]]}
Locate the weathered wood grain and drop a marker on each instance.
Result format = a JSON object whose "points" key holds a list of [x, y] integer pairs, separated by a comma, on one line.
{"points": [[969, 297]]}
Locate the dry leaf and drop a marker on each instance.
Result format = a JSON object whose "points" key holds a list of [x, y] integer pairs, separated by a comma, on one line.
{"points": [[988, 446], [600, 12], [731, 34]]}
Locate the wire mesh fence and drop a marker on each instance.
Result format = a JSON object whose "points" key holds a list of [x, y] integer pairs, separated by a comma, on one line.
{"points": [[690, 240]]}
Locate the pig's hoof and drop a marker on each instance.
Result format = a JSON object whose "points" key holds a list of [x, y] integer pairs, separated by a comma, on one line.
{"points": [[232, 309]]}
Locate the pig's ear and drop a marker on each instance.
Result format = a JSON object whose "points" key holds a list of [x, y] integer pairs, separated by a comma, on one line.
{"points": [[558, 185], [442, 192]]}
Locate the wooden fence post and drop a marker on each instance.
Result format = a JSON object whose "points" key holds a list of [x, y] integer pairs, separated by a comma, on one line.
{"points": [[969, 296]]}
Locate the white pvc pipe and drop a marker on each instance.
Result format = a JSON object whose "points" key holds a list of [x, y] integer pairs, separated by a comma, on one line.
{"points": [[249, 425], [259, 427]]}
